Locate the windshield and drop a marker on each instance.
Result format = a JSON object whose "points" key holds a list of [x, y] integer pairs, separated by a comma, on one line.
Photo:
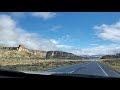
{"points": [[72, 43]]}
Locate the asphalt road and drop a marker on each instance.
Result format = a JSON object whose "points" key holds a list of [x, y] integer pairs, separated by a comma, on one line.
{"points": [[87, 68]]}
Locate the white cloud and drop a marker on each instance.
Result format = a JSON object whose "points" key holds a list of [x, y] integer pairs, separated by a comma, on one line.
{"points": [[12, 35], [64, 38], [44, 15], [98, 50], [60, 46], [54, 41], [109, 32], [56, 27], [64, 46], [18, 14]]}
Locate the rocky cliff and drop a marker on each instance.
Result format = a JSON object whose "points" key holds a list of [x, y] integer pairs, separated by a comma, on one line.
{"points": [[23, 52], [62, 55]]}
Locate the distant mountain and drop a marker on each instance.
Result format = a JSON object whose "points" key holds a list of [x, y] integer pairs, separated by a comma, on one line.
{"points": [[111, 56], [92, 56], [96, 56]]}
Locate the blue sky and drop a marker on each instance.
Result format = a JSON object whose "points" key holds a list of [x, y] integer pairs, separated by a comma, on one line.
{"points": [[77, 32]]}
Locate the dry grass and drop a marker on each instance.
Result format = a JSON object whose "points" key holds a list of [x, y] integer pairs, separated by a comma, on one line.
{"points": [[21, 64], [113, 63], [25, 61]]}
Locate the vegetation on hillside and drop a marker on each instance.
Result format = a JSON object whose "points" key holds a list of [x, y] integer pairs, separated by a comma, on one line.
{"points": [[35, 64], [112, 63], [111, 56]]}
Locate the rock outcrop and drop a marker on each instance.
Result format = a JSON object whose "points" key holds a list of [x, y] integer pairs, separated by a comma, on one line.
{"points": [[62, 55], [22, 52]]}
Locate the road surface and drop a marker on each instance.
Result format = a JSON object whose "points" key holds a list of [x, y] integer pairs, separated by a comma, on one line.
{"points": [[87, 68]]}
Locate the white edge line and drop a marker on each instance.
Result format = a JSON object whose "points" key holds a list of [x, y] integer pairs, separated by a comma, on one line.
{"points": [[102, 70]]}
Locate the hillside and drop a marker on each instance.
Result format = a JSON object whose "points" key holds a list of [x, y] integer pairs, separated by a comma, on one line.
{"points": [[62, 55], [111, 56], [22, 52]]}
